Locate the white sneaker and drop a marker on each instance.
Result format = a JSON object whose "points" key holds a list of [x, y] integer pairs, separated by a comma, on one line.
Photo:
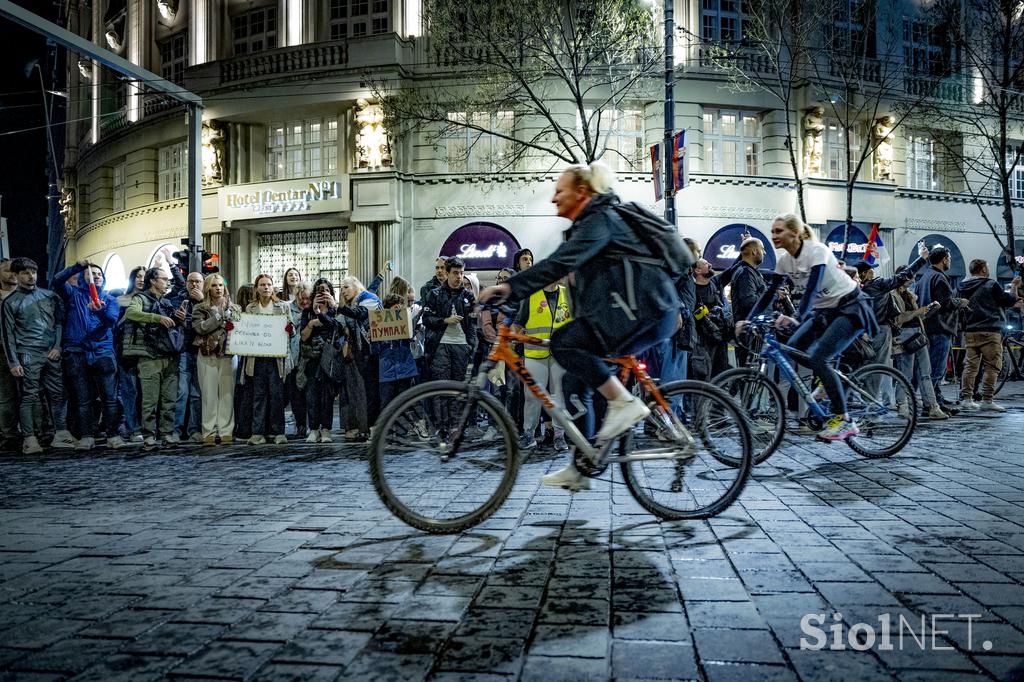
{"points": [[172, 439], [115, 442], [421, 431], [257, 440], [137, 438], [64, 440], [280, 439], [325, 436], [968, 405], [935, 413], [149, 442], [903, 409], [569, 478], [991, 406], [490, 434], [86, 443], [31, 446], [313, 437], [621, 415]]}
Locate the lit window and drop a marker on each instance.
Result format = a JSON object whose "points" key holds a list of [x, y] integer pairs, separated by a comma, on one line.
{"points": [[834, 158], [174, 57], [358, 18], [119, 178], [927, 162], [172, 171], [302, 149], [732, 142], [1016, 175], [622, 133], [721, 20], [470, 149]]}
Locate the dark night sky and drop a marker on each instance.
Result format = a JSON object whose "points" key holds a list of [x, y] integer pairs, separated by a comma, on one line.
{"points": [[23, 169]]}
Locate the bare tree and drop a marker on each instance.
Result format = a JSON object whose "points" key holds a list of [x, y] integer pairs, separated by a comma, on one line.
{"points": [[990, 43], [771, 57], [562, 67], [860, 76]]}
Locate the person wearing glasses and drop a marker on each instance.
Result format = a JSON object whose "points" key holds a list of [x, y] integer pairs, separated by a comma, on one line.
{"points": [[153, 333]]}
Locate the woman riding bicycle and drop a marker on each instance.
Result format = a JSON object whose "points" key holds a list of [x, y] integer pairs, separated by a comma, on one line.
{"points": [[831, 315], [623, 300]]}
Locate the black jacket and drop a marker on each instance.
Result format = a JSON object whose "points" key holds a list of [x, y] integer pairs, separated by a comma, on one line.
{"points": [[880, 288], [427, 287], [619, 288], [747, 287], [934, 285], [437, 306], [986, 302]]}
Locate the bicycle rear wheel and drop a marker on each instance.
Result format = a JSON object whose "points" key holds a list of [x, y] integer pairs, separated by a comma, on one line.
{"points": [[883, 429], [701, 484], [417, 474], [762, 402]]}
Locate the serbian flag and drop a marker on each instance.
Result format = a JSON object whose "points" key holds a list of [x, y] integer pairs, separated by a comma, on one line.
{"points": [[680, 167], [656, 170], [875, 253]]}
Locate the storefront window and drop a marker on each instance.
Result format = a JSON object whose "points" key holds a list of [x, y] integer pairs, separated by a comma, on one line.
{"points": [[316, 253]]}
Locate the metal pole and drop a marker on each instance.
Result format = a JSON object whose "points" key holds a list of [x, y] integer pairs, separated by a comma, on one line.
{"points": [[670, 188], [195, 188]]}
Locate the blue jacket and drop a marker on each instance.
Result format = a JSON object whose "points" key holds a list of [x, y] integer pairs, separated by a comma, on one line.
{"points": [[86, 331], [396, 361]]}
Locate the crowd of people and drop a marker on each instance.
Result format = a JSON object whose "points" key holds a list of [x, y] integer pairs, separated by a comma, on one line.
{"points": [[151, 364]]}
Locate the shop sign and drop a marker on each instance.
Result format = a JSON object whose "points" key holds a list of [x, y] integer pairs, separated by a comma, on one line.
{"points": [[957, 267], [723, 248], [483, 246], [858, 239], [288, 197]]}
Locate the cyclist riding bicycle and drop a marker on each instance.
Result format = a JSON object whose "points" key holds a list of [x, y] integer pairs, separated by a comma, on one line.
{"points": [[623, 299], [832, 314]]}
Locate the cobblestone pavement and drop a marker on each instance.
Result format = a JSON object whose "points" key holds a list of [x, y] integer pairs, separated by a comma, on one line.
{"points": [[280, 563]]}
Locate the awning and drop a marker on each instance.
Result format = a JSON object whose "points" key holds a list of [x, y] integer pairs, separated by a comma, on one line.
{"points": [[957, 268]]}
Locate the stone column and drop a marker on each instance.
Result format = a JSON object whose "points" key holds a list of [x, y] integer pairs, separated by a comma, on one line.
{"points": [[361, 243], [389, 246]]}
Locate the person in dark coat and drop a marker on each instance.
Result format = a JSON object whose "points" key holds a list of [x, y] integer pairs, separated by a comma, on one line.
{"points": [[748, 286], [624, 300], [986, 316], [935, 285], [437, 280]]}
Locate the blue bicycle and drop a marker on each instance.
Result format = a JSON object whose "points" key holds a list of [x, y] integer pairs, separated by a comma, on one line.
{"points": [[872, 392]]}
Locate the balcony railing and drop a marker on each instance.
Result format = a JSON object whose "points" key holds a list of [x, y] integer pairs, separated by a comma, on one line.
{"points": [[949, 89], [112, 122], [747, 61], [283, 61]]}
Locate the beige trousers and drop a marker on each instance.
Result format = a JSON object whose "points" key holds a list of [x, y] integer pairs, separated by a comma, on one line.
{"points": [[217, 385]]}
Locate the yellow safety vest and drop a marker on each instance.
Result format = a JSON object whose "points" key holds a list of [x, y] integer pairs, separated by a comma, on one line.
{"points": [[543, 321]]}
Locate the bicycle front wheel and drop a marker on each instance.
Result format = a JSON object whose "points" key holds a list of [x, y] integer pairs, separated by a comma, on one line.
{"points": [[884, 430], [418, 474], [762, 402], [1004, 373], [695, 482]]}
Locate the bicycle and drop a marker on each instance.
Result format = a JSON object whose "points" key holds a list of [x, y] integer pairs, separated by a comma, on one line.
{"points": [[883, 430], [433, 477], [1013, 362]]}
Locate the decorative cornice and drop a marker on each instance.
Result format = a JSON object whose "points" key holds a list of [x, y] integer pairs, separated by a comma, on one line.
{"points": [[148, 209], [744, 212], [934, 225], [480, 210], [742, 181]]}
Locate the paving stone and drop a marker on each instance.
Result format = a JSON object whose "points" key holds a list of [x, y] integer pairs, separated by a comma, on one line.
{"points": [[746, 646], [511, 623], [548, 669], [129, 668], [582, 641], [672, 660], [483, 653], [174, 639], [70, 655], [735, 615], [323, 647], [269, 627], [227, 659], [411, 637], [378, 666]]}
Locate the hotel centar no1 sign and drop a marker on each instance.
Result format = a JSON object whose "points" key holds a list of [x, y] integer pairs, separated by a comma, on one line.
{"points": [[284, 197]]}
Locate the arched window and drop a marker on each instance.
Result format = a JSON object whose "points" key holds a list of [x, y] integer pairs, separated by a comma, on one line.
{"points": [[156, 258], [114, 273]]}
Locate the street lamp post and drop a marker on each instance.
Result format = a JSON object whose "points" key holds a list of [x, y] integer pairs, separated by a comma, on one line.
{"points": [[669, 142]]}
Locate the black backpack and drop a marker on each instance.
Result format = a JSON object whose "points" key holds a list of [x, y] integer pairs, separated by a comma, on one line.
{"points": [[660, 237]]}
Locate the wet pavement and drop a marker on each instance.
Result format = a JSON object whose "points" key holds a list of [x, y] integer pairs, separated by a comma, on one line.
{"points": [[279, 562]]}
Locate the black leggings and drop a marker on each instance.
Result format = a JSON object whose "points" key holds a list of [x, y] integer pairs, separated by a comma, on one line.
{"points": [[577, 348]]}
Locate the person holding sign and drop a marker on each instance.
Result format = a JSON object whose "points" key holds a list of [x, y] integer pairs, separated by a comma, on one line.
{"points": [[267, 373], [213, 320]]}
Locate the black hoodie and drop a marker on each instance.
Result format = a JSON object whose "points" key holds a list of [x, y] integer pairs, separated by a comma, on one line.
{"points": [[986, 302]]}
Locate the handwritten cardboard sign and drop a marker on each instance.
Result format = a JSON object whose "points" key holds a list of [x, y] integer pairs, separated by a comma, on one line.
{"points": [[260, 336], [390, 324]]}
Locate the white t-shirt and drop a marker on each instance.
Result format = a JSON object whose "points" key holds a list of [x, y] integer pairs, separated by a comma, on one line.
{"points": [[835, 283]]}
